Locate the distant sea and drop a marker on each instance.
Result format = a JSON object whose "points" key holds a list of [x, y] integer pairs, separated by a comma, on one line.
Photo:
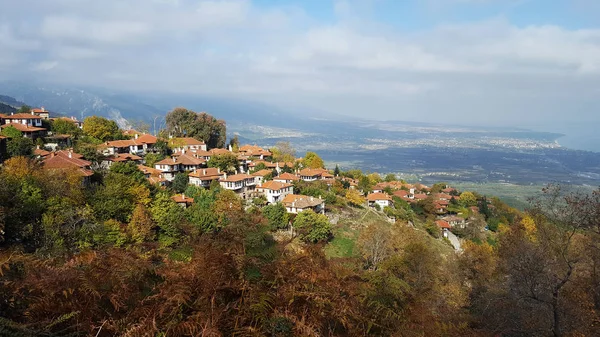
{"points": [[578, 135]]}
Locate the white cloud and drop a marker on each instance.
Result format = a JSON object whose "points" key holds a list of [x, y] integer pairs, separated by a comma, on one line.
{"points": [[283, 55]]}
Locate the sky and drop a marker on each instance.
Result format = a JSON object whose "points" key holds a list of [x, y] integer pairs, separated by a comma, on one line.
{"points": [[473, 62]]}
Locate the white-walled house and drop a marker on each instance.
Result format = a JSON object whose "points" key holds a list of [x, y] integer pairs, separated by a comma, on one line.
{"points": [[242, 184], [286, 178], [275, 191], [296, 203], [381, 199], [205, 176], [169, 168]]}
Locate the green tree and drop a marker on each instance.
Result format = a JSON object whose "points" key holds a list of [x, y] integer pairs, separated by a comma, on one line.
{"points": [[226, 162], [182, 122], [287, 169], [312, 227], [21, 146], [129, 169], [24, 109], [336, 171], [312, 160], [168, 217], [180, 182], [277, 216], [390, 177], [100, 128], [114, 199], [468, 199], [64, 127], [11, 132]]}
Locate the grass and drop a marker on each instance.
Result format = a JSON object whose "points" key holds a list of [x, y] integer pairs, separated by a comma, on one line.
{"points": [[347, 231]]}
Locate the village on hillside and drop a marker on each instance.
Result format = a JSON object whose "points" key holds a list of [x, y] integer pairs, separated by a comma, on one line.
{"points": [[253, 173]]}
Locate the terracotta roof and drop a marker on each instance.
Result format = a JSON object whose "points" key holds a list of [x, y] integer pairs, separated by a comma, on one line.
{"points": [[443, 196], [39, 110], [23, 127], [131, 132], [123, 157], [149, 170], [237, 177], [253, 150], [308, 172], [156, 179], [301, 201], [443, 224], [186, 159], [168, 161], [40, 152], [68, 152], [3, 116], [274, 185], [210, 173], [219, 151], [22, 116], [181, 198], [420, 196], [185, 141], [379, 196], [287, 176], [144, 139], [262, 173], [401, 194], [63, 162]]}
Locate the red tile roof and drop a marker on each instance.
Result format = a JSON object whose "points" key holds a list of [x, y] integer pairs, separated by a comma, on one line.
{"points": [[443, 224], [210, 173], [22, 116], [274, 185], [64, 162], [237, 177], [308, 172], [23, 127], [262, 173], [379, 196], [181, 198], [149, 170], [287, 176]]}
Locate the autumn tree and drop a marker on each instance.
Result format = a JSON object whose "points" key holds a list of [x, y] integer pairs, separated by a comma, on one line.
{"points": [[100, 128], [182, 122], [390, 177], [312, 160], [355, 198], [468, 199]]}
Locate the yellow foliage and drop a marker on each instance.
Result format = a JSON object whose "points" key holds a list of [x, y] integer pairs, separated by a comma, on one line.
{"points": [[354, 197], [141, 194], [530, 228]]}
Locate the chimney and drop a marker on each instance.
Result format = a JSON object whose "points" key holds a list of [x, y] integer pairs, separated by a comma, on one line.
{"points": [[70, 154], [204, 172], [43, 109], [37, 147], [230, 148], [293, 204], [136, 136], [174, 160], [33, 113], [225, 176], [218, 170]]}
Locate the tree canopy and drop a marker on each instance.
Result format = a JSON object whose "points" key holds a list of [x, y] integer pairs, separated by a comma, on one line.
{"points": [[100, 128], [182, 122]]}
